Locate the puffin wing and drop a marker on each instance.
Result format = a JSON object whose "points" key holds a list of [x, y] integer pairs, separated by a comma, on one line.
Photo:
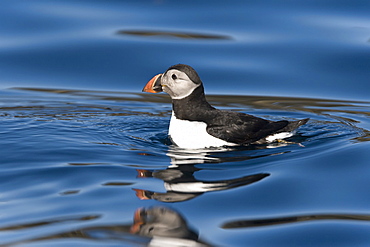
{"points": [[242, 128]]}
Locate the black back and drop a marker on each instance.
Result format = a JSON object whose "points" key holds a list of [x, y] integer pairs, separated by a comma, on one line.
{"points": [[230, 126]]}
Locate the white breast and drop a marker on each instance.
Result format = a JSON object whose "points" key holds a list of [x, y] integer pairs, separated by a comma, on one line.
{"points": [[195, 187], [193, 135]]}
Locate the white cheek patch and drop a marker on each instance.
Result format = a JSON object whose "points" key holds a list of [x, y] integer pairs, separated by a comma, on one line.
{"points": [[184, 92], [180, 87]]}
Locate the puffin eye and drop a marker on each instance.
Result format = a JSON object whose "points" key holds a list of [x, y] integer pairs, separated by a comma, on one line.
{"points": [[174, 77]]}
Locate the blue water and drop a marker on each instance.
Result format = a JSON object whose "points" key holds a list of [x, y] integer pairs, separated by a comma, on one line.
{"points": [[82, 149]]}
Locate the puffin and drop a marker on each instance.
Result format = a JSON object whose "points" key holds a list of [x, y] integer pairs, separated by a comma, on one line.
{"points": [[196, 124]]}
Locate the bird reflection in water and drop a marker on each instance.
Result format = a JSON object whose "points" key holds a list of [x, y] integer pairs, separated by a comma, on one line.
{"points": [[179, 180], [165, 226], [155, 226]]}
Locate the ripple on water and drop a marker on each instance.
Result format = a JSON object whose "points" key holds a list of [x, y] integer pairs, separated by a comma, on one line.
{"points": [[88, 160]]}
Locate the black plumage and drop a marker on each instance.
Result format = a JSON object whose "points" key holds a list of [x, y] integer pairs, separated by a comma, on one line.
{"points": [[197, 124], [234, 127]]}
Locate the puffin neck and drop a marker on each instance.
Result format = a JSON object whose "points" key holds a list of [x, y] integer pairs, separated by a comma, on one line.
{"points": [[193, 106]]}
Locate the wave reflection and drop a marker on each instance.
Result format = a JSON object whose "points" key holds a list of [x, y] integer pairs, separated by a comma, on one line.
{"points": [[292, 219], [182, 35]]}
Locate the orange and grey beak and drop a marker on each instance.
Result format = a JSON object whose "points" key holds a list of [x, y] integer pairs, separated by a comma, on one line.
{"points": [[138, 221], [141, 194], [154, 85]]}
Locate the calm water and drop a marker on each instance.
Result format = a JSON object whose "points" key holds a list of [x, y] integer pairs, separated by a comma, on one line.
{"points": [[85, 159]]}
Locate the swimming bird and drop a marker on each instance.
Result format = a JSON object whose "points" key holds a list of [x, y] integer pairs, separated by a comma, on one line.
{"points": [[196, 124]]}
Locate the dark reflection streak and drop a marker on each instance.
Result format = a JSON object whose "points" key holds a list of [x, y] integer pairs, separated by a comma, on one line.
{"points": [[69, 192], [173, 34], [292, 219], [42, 223], [101, 233], [117, 184]]}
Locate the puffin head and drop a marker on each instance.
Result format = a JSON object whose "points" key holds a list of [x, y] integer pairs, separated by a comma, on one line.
{"points": [[161, 221], [179, 81]]}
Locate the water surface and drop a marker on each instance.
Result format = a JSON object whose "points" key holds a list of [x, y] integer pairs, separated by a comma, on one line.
{"points": [[85, 158], [78, 164]]}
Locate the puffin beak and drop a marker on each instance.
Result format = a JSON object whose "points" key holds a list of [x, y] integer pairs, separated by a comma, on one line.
{"points": [[138, 221], [154, 85], [141, 194], [142, 173]]}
